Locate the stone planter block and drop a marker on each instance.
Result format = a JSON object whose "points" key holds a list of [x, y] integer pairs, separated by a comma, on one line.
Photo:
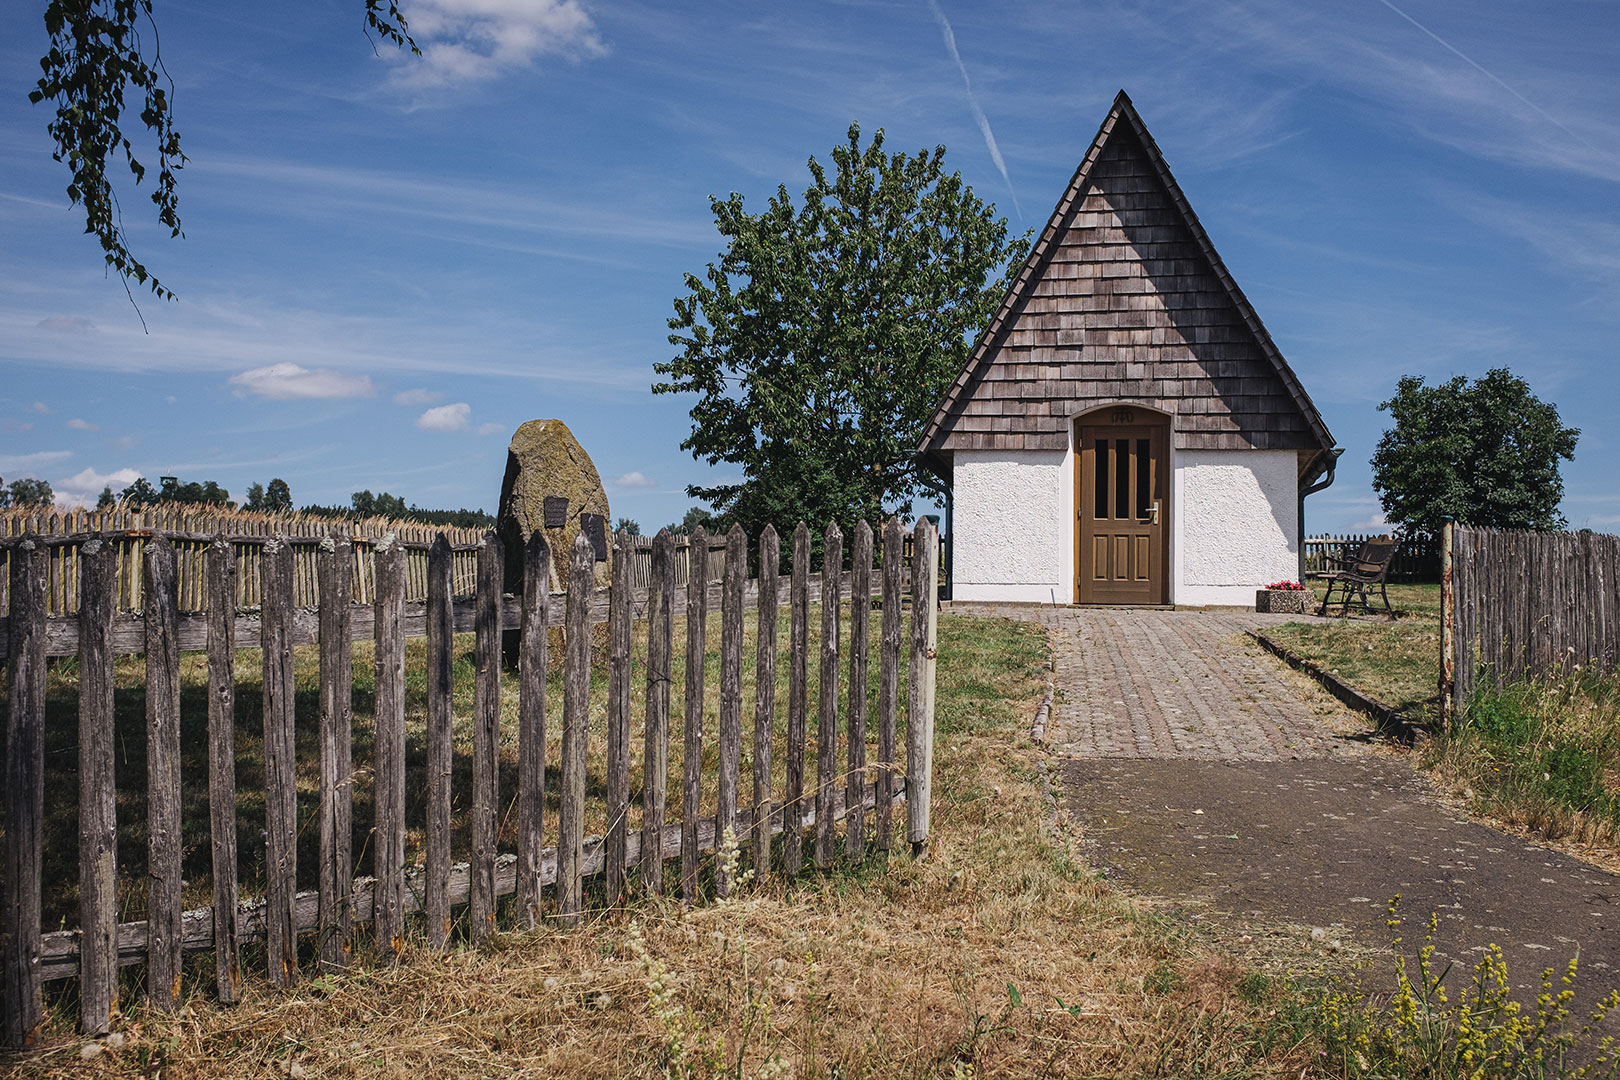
{"points": [[1284, 601]]}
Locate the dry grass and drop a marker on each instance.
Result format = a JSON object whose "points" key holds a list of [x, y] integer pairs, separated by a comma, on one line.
{"points": [[61, 755], [998, 953]]}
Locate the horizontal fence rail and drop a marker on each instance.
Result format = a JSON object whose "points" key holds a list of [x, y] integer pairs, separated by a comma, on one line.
{"points": [[326, 911], [191, 531], [1528, 603], [1415, 559]]}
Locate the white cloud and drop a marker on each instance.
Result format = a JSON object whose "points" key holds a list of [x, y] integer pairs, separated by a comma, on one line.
{"points": [[66, 322], [465, 41], [84, 487], [631, 481], [10, 426], [286, 382], [491, 428], [77, 424], [41, 407], [1378, 523], [30, 464], [417, 396], [452, 417]]}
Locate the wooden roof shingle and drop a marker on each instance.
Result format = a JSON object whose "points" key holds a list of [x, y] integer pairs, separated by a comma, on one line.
{"points": [[1123, 297]]}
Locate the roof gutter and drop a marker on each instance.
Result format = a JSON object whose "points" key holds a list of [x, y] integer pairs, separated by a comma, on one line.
{"points": [[1317, 476], [936, 478]]}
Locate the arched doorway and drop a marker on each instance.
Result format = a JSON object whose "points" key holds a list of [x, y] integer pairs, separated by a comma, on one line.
{"points": [[1122, 502]]}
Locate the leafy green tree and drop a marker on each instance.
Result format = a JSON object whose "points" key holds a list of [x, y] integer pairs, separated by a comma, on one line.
{"points": [[700, 515], [140, 493], [821, 342], [278, 497], [29, 492], [626, 525], [97, 55], [172, 489], [274, 499], [381, 505], [193, 493], [1484, 452], [106, 500]]}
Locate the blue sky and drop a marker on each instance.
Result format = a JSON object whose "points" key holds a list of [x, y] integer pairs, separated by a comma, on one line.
{"points": [[390, 263]]}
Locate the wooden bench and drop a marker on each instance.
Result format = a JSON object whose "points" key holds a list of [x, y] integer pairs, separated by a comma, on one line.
{"points": [[1354, 576]]}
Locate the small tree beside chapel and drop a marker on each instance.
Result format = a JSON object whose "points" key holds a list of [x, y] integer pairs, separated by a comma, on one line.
{"points": [[1484, 452], [822, 340]]}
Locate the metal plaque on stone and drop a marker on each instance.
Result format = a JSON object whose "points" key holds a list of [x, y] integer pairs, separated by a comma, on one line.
{"points": [[595, 527], [555, 509]]}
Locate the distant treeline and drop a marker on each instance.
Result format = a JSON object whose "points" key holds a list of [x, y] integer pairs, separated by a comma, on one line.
{"points": [[389, 506], [276, 498]]}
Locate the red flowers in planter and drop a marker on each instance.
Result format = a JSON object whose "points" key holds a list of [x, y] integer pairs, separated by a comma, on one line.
{"points": [[1286, 586]]}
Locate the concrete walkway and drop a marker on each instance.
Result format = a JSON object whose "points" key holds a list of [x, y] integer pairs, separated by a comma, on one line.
{"points": [[1202, 770]]}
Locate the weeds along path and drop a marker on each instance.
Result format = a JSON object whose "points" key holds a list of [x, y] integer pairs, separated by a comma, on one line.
{"points": [[1201, 770], [998, 954]]}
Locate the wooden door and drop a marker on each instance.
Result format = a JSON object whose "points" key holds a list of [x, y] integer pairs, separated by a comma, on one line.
{"points": [[1123, 506]]}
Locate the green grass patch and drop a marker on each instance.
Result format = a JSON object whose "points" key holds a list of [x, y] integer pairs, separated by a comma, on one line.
{"points": [[1395, 660], [1543, 754]]}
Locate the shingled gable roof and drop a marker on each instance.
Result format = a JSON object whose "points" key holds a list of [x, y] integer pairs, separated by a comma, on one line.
{"points": [[1099, 342]]}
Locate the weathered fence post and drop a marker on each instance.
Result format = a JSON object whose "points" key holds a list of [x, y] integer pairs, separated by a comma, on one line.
{"points": [[655, 752], [388, 791], [280, 779], [533, 650], [161, 623], [697, 613], [222, 585], [798, 703], [1448, 628], [731, 643], [576, 708], [860, 607], [333, 560], [440, 739], [486, 734], [25, 797], [889, 681], [98, 814], [765, 698], [832, 559], [920, 700], [620, 618]]}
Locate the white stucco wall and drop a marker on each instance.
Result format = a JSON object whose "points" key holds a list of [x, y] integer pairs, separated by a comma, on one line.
{"points": [[1008, 519], [1236, 524]]}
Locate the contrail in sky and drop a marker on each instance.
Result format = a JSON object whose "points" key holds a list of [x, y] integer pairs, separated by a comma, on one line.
{"points": [[1444, 44], [973, 103]]}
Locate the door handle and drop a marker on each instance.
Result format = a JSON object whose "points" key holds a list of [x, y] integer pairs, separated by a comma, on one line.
{"points": [[1155, 511]]}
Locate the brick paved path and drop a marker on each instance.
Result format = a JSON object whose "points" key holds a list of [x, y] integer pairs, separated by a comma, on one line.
{"points": [[1202, 770], [1181, 684], [1186, 684]]}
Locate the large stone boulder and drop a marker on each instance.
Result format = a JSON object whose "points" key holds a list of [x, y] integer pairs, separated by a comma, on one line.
{"points": [[552, 485]]}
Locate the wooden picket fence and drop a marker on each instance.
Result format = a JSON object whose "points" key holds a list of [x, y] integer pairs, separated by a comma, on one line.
{"points": [[641, 551], [1517, 603], [191, 529], [1415, 559], [333, 912]]}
